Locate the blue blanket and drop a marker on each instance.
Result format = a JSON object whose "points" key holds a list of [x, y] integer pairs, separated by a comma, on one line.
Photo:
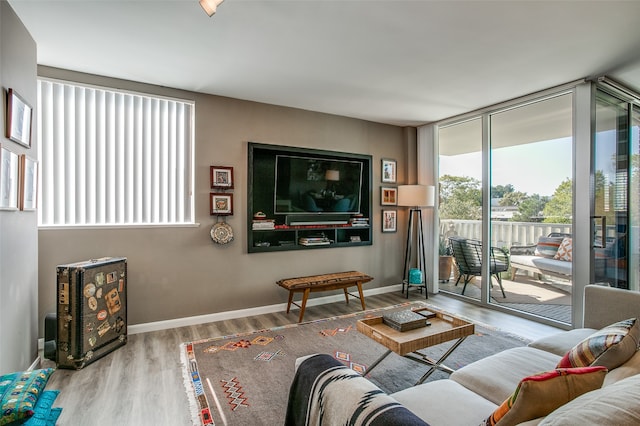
{"points": [[324, 392]]}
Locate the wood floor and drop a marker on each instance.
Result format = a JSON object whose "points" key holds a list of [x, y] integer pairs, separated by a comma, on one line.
{"points": [[141, 383]]}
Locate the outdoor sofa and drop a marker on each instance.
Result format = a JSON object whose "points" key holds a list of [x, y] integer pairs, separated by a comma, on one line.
{"points": [[552, 255], [483, 389]]}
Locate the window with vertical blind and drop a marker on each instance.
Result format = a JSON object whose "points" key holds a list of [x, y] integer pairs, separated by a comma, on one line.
{"points": [[111, 158]]}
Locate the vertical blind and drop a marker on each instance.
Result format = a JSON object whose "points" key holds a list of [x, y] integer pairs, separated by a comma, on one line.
{"points": [[113, 158]]}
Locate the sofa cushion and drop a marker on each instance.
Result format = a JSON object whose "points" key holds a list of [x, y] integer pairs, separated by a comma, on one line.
{"points": [[611, 405], [548, 246], [628, 369], [561, 343], [495, 377], [436, 401], [540, 394], [19, 393], [610, 346], [565, 251]]}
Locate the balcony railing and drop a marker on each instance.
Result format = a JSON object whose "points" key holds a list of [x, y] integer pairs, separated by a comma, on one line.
{"points": [[503, 234]]}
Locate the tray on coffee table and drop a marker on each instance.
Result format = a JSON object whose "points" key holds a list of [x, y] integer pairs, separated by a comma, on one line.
{"points": [[443, 328]]}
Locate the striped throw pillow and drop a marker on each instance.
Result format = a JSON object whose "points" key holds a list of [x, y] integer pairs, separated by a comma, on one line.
{"points": [[548, 246], [611, 346]]}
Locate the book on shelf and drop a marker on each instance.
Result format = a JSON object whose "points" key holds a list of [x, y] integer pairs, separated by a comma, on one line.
{"points": [[314, 241], [359, 221], [256, 226]]}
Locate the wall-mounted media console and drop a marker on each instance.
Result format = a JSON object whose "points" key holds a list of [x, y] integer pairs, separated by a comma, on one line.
{"points": [[302, 198]]}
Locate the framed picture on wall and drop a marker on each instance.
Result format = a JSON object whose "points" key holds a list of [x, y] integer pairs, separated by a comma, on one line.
{"points": [[389, 220], [221, 177], [18, 119], [221, 204], [388, 196], [388, 170], [28, 183], [9, 178]]}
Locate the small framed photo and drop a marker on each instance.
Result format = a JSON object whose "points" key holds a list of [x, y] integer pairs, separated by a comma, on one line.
{"points": [[388, 196], [388, 170], [221, 177], [221, 204], [9, 178], [19, 114], [28, 183], [389, 220]]}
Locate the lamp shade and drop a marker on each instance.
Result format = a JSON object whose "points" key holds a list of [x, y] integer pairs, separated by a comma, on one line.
{"points": [[416, 195], [332, 175]]}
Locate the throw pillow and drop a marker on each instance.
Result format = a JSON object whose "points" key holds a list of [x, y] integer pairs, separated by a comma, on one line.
{"points": [[565, 251], [548, 246], [611, 346], [45, 414], [19, 393], [540, 394]]}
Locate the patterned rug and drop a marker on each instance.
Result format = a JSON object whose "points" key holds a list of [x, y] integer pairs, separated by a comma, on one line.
{"points": [[244, 379]]}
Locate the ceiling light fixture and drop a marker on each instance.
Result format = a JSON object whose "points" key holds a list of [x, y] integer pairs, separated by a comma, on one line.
{"points": [[210, 6]]}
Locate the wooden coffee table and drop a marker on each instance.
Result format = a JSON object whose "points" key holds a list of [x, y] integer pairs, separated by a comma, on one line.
{"points": [[444, 328]]}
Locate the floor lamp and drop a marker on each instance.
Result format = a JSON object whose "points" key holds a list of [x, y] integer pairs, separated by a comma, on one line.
{"points": [[416, 197]]}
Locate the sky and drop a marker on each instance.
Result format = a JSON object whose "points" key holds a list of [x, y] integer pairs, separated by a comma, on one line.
{"points": [[536, 168]]}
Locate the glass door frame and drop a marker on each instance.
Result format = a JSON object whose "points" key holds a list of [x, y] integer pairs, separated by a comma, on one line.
{"points": [[428, 154]]}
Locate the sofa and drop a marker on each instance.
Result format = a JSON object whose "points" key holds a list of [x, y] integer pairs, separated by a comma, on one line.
{"points": [[550, 256], [479, 392]]}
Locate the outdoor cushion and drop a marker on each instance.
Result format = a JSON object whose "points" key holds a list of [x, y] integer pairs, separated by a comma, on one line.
{"points": [[19, 393], [548, 246], [561, 343], [543, 263], [565, 251], [495, 377], [610, 346], [611, 405], [540, 394]]}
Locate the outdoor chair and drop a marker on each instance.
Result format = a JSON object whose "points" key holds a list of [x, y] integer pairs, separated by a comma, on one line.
{"points": [[468, 257]]}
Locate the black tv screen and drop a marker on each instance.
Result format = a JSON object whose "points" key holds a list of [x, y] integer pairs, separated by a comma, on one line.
{"points": [[306, 184]]}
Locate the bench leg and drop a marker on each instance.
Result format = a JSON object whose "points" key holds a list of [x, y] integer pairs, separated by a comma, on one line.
{"points": [[305, 296], [513, 273], [290, 300], [362, 296], [346, 295]]}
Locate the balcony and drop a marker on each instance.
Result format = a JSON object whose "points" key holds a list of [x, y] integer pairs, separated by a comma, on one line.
{"points": [[545, 296]]}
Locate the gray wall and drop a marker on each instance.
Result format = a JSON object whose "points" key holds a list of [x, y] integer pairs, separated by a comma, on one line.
{"points": [[179, 272], [18, 230]]}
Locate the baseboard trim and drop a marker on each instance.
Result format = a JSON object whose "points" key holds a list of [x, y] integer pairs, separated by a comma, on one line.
{"points": [[241, 313], [36, 363]]}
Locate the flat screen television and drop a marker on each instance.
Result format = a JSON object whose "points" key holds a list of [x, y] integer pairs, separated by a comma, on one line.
{"points": [[314, 185]]}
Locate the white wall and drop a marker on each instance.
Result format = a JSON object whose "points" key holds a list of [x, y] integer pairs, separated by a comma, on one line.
{"points": [[18, 230]]}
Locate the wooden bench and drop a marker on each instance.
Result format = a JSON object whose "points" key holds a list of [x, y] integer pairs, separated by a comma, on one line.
{"points": [[326, 282]]}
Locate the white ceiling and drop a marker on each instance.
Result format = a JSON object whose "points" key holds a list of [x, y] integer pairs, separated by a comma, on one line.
{"points": [[394, 61]]}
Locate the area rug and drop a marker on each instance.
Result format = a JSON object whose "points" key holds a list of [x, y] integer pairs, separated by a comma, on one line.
{"points": [[244, 379]]}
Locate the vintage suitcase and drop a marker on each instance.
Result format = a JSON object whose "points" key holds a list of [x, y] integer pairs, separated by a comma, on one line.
{"points": [[91, 310]]}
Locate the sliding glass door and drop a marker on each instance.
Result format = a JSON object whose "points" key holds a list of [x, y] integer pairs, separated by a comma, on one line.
{"points": [[616, 191], [525, 150], [460, 183], [531, 201]]}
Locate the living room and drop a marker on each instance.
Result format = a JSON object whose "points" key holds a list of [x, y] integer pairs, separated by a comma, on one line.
{"points": [[177, 276]]}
